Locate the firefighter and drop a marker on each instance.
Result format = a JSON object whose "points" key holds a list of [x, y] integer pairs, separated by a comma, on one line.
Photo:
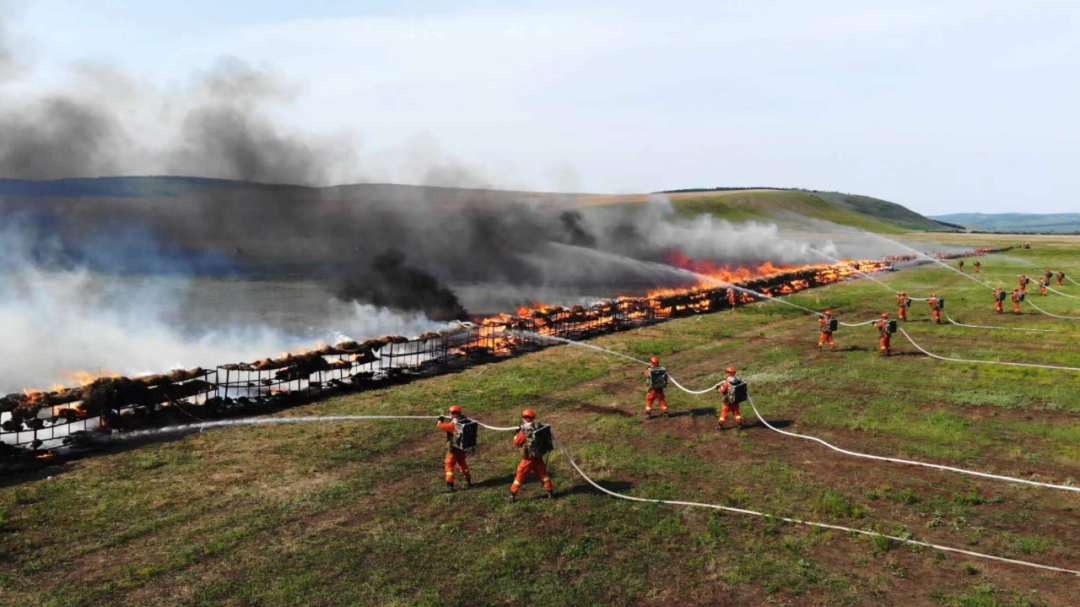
{"points": [[1048, 274], [886, 338], [999, 298], [656, 379], [1017, 297], [960, 264], [727, 394], [978, 266], [454, 456], [903, 301], [1060, 277], [935, 307], [1023, 283], [530, 462], [731, 297], [826, 331], [1044, 282]]}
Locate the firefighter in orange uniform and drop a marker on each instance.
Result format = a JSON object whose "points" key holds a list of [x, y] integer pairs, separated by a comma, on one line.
{"points": [[1043, 283], [1060, 277], [656, 378], [1048, 274], [1023, 283], [935, 307], [727, 394], [903, 301], [999, 298], [826, 331], [886, 338], [1016, 299], [978, 266], [454, 456], [530, 462], [731, 297], [960, 264]]}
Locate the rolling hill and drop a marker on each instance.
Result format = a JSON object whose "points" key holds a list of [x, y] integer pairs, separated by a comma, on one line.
{"points": [[1016, 222]]}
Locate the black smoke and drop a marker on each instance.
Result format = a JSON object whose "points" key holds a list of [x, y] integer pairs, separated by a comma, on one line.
{"points": [[390, 282]]}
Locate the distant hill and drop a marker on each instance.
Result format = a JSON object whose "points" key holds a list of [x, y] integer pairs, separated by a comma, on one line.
{"points": [[1015, 222]]}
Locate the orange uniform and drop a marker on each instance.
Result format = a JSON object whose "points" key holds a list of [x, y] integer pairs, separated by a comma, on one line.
{"points": [[656, 388], [998, 300], [1042, 286], [1023, 283], [454, 457], [903, 302], [935, 308], [886, 338], [826, 333], [729, 406], [978, 266], [1060, 278], [960, 264], [731, 296], [529, 463], [1016, 301]]}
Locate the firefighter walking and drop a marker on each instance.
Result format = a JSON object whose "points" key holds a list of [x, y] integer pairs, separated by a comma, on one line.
{"points": [[935, 307], [904, 302], [535, 441], [999, 299], [731, 395], [456, 443], [656, 378], [884, 331], [1017, 297], [828, 326], [1044, 282]]}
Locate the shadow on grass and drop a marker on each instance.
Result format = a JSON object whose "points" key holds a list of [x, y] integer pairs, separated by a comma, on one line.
{"points": [[699, 412], [587, 489]]}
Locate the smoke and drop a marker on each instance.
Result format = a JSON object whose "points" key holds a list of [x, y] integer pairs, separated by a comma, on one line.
{"points": [[391, 283]]}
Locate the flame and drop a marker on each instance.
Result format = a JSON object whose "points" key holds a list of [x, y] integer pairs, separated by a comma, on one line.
{"points": [[85, 377]]}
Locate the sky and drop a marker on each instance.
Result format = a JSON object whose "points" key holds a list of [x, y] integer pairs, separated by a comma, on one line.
{"points": [[961, 106]]}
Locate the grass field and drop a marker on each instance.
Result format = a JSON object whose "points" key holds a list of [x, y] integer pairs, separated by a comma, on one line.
{"points": [[354, 514]]}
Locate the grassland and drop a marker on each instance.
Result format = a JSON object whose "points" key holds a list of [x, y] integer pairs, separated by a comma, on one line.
{"points": [[353, 514]]}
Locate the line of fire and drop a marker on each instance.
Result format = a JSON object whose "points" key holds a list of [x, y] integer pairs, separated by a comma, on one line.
{"points": [[39, 423]]}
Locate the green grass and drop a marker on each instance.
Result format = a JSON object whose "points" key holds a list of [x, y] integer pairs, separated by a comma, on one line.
{"points": [[353, 514]]}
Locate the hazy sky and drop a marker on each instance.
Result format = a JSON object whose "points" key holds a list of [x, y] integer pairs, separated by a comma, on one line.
{"points": [[942, 106]]}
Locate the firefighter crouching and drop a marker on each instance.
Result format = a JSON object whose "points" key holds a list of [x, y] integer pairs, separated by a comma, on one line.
{"points": [[460, 437], [1017, 297], [535, 441], [999, 299], [885, 329], [656, 378], [936, 305], [828, 327], [904, 302], [732, 392]]}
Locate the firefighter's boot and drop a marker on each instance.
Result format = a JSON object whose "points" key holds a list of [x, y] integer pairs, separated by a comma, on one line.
{"points": [[513, 498], [468, 483], [664, 413], [551, 494], [449, 487]]}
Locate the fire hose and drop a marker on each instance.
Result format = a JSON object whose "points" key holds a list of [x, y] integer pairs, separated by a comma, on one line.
{"points": [[1049, 314], [795, 521], [989, 327], [566, 453], [985, 362], [897, 460]]}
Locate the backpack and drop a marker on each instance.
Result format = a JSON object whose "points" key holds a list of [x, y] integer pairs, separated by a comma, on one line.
{"points": [[465, 434], [737, 387], [539, 440], [1022, 295], [834, 324], [658, 378], [892, 327], [907, 302], [940, 303], [1001, 296]]}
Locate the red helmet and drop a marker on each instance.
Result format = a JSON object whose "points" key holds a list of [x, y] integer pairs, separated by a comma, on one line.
{"points": [[884, 314], [528, 414], [904, 293], [455, 410], [731, 370], [828, 312], [933, 295], [654, 361]]}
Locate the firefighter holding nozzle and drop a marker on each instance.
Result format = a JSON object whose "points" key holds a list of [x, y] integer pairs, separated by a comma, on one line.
{"points": [[904, 302], [936, 305], [1017, 297], [656, 378], [885, 329], [999, 298], [460, 437], [733, 393], [828, 326], [535, 441]]}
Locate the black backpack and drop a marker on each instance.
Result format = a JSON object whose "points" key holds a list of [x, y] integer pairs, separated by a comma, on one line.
{"points": [[540, 440], [658, 378], [892, 327], [1022, 295], [739, 392], [941, 303], [465, 434], [1001, 296], [834, 324]]}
